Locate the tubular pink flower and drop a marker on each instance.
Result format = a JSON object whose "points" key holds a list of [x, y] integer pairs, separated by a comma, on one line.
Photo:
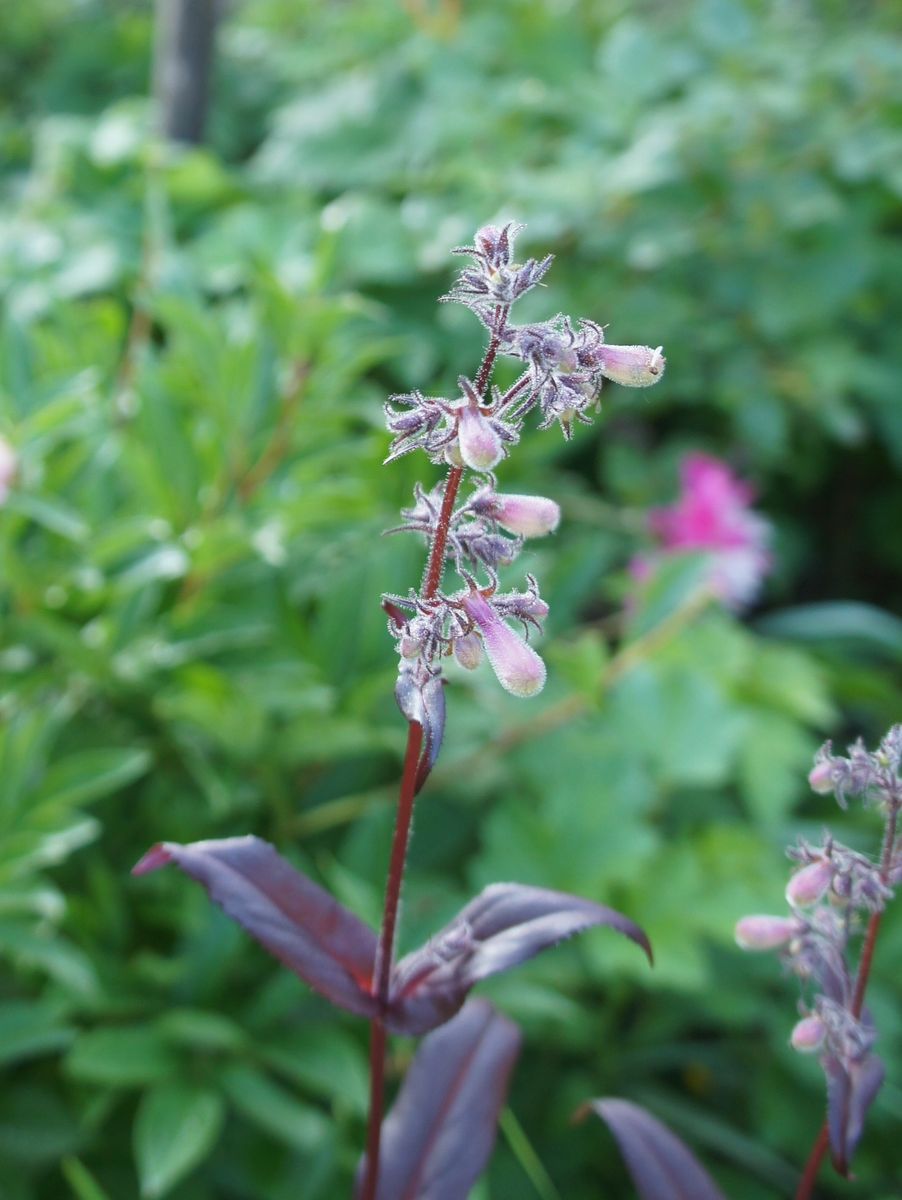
{"points": [[480, 446], [9, 464], [529, 516], [519, 669], [808, 885], [631, 366], [765, 932]]}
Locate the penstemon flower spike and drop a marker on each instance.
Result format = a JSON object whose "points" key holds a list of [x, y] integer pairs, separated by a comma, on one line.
{"points": [[566, 365], [836, 894]]}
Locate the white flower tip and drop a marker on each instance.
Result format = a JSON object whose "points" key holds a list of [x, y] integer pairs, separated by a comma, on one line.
{"points": [[524, 678]]}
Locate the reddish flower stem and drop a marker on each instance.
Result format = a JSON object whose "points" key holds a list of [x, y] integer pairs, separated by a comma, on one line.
{"points": [[813, 1166], [433, 573], [404, 819], [822, 1142], [385, 953]]}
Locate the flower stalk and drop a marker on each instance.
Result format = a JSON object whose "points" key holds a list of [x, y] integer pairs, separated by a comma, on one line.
{"points": [[565, 369], [828, 896]]}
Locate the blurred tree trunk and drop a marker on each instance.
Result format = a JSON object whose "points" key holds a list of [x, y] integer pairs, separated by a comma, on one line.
{"points": [[183, 57]]}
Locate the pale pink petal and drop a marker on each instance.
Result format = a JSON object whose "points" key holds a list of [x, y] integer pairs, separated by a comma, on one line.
{"points": [[519, 669]]}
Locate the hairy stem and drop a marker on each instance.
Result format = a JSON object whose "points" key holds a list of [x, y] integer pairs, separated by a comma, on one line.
{"points": [[404, 818], [385, 953], [822, 1142]]}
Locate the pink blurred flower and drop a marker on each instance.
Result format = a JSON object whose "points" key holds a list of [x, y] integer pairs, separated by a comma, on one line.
{"points": [[8, 466], [714, 514]]}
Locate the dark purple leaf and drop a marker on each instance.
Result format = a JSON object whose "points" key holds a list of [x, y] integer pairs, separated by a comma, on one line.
{"points": [[295, 919], [504, 925], [438, 1136], [662, 1167], [851, 1089]]}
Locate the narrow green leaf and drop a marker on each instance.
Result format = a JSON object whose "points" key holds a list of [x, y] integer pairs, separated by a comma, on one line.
{"points": [[92, 774], [176, 1127], [51, 514], [81, 1181], [274, 1109], [838, 621]]}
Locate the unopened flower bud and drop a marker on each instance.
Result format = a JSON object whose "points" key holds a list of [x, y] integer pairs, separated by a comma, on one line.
{"points": [[529, 516], [480, 446], [536, 607], [808, 1035], [519, 669], [808, 885], [9, 464], [468, 651], [632, 366], [821, 777], [765, 932], [409, 647]]}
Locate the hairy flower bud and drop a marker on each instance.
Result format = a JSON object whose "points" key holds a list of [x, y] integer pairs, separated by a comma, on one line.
{"points": [[808, 1035], [820, 777], [765, 932], [480, 446], [468, 651], [631, 366], [409, 647], [519, 669], [529, 516], [809, 885]]}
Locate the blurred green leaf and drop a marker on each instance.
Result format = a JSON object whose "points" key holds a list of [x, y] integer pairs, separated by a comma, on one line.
{"points": [[83, 1184], [120, 1056], [28, 1030], [90, 774], [176, 1127], [861, 625], [273, 1108]]}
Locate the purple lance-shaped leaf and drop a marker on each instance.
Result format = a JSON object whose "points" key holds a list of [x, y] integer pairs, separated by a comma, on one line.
{"points": [[504, 925], [438, 1136], [662, 1167], [291, 916], [851, 1089]]}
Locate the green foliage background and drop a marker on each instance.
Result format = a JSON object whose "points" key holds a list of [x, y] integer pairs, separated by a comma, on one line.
{"points": [[193, 354]]}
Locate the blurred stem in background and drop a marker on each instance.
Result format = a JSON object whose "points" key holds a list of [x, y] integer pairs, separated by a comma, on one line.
{"points": [[184, 42]]}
